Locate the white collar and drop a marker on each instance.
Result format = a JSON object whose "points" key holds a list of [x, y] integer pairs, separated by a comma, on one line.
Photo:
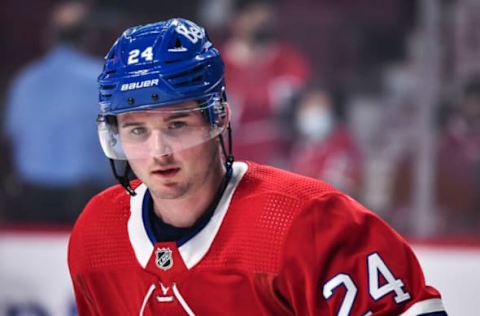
{"points": [[194, 249]]}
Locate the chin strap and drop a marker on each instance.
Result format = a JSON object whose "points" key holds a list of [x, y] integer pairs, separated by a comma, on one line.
{"points": [[228, 155], [123, 179]]}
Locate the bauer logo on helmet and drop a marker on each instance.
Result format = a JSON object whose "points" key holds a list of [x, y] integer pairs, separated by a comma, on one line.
{"points": [[139, 84]]}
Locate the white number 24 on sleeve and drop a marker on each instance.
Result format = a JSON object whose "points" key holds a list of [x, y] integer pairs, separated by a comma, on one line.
{"points": [[376, 267]]}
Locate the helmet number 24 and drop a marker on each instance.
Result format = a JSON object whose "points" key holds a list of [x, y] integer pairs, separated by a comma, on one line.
{"points": [[135, 55]]}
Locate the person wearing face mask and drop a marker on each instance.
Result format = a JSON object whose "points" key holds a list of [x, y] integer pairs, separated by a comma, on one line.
{"points": [[323, 146], [262, 74]]}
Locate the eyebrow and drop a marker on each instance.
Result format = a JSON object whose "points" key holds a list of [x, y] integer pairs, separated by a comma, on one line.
{"points": [[128, 124], [174, 116], [177, 115]]}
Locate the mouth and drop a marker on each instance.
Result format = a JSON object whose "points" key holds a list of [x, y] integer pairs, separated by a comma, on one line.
{"points": [[166, 172]]}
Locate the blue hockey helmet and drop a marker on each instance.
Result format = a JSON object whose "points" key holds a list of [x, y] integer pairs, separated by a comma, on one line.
{"points": [[160, 64], [154, 67]]}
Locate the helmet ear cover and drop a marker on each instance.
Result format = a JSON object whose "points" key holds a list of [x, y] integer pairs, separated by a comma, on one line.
{"points": [[112, 120], [218, 112]]}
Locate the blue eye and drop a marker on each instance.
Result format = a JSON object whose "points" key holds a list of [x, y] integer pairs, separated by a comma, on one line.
{"points": [[138, 131], [176, 125]]}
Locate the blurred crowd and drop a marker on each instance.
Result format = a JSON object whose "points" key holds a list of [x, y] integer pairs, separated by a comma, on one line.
{"points": [[337, 90]]}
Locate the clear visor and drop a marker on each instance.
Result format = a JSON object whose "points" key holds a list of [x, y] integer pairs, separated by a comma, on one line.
{"points": [[160, 132]]}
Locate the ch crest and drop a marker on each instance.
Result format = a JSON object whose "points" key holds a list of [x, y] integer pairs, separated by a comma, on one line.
{"points": [[163, 258]]}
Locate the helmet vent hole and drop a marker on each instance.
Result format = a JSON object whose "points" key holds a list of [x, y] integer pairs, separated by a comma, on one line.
{"points": [[107, 86], [178, 44], [197, 78]]}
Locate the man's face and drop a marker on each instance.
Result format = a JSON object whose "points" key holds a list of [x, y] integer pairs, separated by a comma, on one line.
{"points": [[172, 153]]}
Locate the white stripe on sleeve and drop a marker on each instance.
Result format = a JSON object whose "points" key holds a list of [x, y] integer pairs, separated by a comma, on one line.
{"points": [[428, 306]]}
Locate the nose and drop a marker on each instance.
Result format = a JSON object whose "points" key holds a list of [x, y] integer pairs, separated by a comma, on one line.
{"points": [[160, 148]]}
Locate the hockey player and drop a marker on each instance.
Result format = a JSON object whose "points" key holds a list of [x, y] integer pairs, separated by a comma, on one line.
{"points": [[200, 234]]}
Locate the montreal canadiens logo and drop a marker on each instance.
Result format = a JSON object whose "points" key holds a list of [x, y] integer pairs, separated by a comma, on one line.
{"points": [[163, 258]]}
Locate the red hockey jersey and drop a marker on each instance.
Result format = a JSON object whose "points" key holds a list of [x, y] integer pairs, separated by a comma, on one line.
{"points": [[277, 244]]}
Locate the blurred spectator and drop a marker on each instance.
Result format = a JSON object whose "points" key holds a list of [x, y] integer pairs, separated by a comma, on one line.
{"points": [[466, 29], [262, 74], [458, 170], [324, 147], [50, 124]]}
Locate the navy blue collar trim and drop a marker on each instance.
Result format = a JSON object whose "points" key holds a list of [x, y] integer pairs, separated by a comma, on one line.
{"points": [[147, 204], [159, 231]]}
